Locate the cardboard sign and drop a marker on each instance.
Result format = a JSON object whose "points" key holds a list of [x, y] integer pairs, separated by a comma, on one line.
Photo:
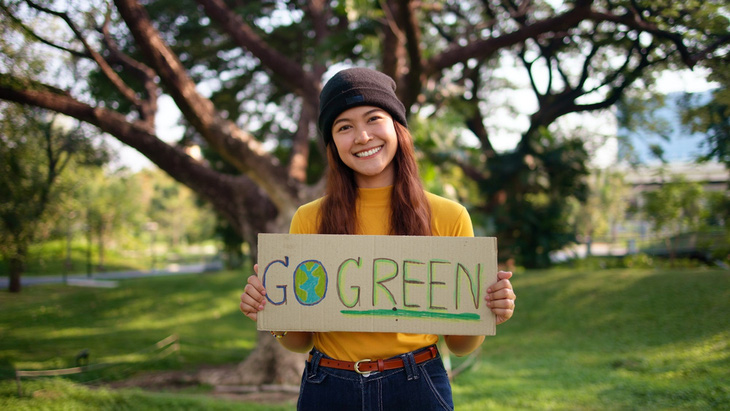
{"points": [[427, 285]]}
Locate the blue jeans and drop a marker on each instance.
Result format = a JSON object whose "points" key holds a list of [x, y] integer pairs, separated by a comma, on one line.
{"points": [[419, 387]]}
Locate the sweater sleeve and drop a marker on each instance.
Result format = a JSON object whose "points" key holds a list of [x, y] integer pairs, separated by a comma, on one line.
{"points": [[449, 218], [305, 219], [463, 226]]}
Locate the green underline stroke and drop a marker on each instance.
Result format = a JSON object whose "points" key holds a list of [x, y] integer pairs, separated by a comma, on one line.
{"points": [[415, 314]]}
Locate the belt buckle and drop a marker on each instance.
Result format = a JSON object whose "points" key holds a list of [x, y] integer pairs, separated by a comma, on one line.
{"points": [[357, 368]]}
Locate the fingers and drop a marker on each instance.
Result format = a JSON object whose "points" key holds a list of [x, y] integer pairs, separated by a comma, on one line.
{"points": [[255, 282], [501, 297], [504, 275], [247, 311], [251, 302], [502, 294], [502, 283], [253, 298], [503, 309], [501, 304]]}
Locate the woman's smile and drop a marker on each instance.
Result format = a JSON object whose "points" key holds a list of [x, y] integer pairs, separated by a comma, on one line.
{"points": [[369, 152]]}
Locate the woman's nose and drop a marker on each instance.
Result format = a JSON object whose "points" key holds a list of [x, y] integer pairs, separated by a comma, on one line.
{"points": [[362, 137]]}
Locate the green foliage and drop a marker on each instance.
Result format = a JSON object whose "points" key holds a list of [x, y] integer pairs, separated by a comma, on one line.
{"points": [[638, 115], [674, 207], [683, 214], [712, 117], [102, 215], [440, 146], [632, 261], [35, 150], [639, 260], [524, 197], [537, 188], [181, 216], [605, 206]]}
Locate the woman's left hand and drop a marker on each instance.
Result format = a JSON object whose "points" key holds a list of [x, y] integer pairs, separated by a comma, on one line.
{"points": [[501, 298]]}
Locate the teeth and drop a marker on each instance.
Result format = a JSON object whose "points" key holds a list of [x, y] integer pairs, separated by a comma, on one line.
{"points": [[369, 152]]}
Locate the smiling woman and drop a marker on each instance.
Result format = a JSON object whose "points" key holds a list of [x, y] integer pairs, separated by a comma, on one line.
{"points": [[373, 188]]}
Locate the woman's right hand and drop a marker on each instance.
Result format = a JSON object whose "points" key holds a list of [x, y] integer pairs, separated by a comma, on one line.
{"points": [[253, 298]]}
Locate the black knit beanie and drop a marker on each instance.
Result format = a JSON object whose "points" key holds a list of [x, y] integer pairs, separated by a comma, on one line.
{"points": [[357, 87]]}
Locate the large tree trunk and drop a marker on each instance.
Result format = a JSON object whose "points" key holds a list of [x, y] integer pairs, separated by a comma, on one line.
{"points": [[100, 265], [271, 363], [16, 265], [268, 363]]}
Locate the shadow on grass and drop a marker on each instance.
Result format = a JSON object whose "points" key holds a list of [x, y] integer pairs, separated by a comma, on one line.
{"points": [[46, 326]]}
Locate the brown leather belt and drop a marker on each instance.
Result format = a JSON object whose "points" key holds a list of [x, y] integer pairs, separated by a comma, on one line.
{"points": [[368, 366]]}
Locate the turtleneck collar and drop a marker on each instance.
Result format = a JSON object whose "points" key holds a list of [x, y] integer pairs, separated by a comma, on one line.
{"points": [[375, 196]]}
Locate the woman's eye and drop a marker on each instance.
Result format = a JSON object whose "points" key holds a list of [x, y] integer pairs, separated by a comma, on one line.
{"points": [[343, 128], [374, 118]]}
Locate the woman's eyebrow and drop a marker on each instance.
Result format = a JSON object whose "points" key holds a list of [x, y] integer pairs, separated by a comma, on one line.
{"points": [[367, 113], [341, 119]]}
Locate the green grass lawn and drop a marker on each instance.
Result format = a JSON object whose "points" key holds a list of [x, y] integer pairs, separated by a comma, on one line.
{"points": [[611, 339]]}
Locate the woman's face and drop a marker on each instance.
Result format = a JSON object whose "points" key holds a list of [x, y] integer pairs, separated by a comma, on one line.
{"points": [[366, 142]]}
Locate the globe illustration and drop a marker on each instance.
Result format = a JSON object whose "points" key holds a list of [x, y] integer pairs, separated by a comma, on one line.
{"points": [[310, 282]]}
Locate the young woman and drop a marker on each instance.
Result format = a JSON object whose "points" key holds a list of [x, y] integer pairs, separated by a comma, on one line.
{"points": [[373, 188]]}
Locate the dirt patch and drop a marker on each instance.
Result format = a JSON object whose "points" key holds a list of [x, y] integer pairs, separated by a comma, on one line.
{"points": [[179, 380]]}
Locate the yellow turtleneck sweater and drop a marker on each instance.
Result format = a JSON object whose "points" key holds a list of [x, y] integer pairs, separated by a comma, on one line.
{"points": [[448, 219]]}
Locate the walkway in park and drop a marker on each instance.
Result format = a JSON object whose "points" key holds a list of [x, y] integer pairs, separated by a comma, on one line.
{"points": [[106, 279]]}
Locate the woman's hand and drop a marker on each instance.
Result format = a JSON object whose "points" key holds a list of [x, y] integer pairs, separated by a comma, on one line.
{"points": [[253, 298], [501, 298]]}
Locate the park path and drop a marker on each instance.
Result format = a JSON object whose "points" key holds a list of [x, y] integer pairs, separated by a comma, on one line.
{"points": [[172, 269]]}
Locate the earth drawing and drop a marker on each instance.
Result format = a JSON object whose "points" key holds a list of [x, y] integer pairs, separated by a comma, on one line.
{"points": [[310, 282]]}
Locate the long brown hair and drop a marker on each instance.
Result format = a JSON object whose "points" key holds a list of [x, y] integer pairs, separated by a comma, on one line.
{"points": [[410, 212]]}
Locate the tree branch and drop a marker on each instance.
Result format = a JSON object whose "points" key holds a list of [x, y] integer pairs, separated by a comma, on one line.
{"points": [[557, 105], [303, 83], [236, 146], [475, 122], [30, 32], [300, 143], [484, 48], [414, 79], [217, 188], [393, 42], [315, 9], [110, 74], [528, 66], [635, 21], [148, 109], [617, 91]]}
